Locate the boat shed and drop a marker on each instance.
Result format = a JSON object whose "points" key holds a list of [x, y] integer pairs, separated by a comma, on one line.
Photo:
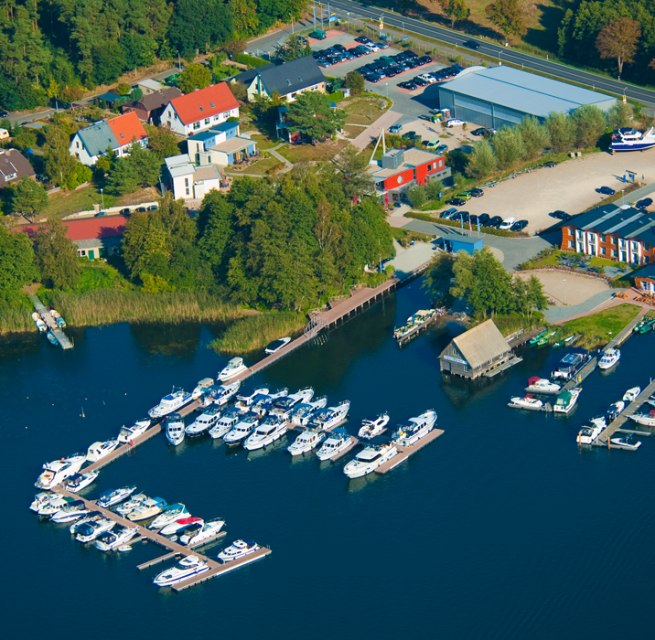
{"points": [[480, 351]]}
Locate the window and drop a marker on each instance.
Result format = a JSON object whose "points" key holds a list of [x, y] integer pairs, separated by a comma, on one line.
{"points": [[196, 125], [613, 253], [602, 237], [207, 121], [612, 239], [602, 251], [188, 193], [186, 182], [570, 244]]}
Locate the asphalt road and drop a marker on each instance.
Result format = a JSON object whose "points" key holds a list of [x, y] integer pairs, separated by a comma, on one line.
{"points": [[504, 54]]}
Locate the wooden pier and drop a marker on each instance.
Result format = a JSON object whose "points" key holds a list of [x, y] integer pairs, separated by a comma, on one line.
{"points": [[627, 331], [584, 373], [405, 452], [417, 330], [64, 341]]}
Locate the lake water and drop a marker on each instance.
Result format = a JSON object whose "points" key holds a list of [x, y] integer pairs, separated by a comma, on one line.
{"points": [[501, 528]]}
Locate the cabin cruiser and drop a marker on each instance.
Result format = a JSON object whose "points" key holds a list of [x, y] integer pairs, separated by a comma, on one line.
{"points": [[80, 481], [646, 419], [169, 403], [626, 442], [609, 358], [336, 443], [331, 417], [117, 537], [224, 393], [226, 423], [283, 406], [89, 531], [147, 509], [202, 388], [271, 429], [306, 441], [631, 394], [628, 139], [373, 427], [50, 507], [100, 449], [127, 434], [92, 516], [204, 422], [41, 499], [542, 385], [571, 364], [187, 567], [614, 410], [415, 429], [302, 413], [169, 515], [233, 368], [238, 549], [528, 401], [114, 496], [202, 532], [57, 471], [130, 505], [241, 429], [276, 345], [244, 401], [589, 434], [71, 511], [567, 400], [369, 459], [175, 429], [180, 525]]}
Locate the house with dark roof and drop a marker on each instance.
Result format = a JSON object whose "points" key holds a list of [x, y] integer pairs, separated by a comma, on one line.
{"points": [[644, 279], [624, 234], [115, 134], [288, 80], [14, 166], [200, 109], [150, 107]]}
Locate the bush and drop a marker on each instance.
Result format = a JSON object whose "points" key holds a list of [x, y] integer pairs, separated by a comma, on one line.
{"points": [[251, 61]]}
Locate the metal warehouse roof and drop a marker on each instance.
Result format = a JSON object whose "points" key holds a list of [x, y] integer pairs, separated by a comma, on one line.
{"points": [[523, 91]]}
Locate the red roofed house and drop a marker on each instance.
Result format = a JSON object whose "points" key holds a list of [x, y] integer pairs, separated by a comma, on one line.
{"points": [[200, 109], [96, 237]]}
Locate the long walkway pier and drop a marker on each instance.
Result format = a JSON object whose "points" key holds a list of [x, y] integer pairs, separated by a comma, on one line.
{"points": [[404, 452], [64, 341], [627, 331]]}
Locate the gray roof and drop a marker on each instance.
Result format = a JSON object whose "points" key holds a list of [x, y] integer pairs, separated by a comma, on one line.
{"points": [[97, 138], [14, 166], [291, 76], [481, 344], [157, 99], [525, 92], [626, 222]]}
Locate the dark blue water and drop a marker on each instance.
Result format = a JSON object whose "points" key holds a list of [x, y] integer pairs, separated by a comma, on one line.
{"points": [[502, 528]]}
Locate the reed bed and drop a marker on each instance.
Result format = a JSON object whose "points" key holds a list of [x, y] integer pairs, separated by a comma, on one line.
{"points": [[16, 319]]}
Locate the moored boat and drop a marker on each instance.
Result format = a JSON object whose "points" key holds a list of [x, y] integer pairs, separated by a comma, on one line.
{"points": [[202, 387], [645, 419], [244, 401], [284, 405], [234, 367], [272, 428], [331, 417], [627, 442], [99, 450], [223, 393], [528, 401], [336, 443], [372, 427], [226, 423], [415, 429], [306, 441], [127, 434], [80, 481], [147, 509], [69, 512], [117, 537], [614, 410], [204, 422], [609, 358], [170, 402], [538, 337], [115, 496], [589, 434], [175, 429], [89, 531], [50, 507], [542, 385], [567, 400], [57, 471], [170, 514], [201, 533], [631, 394], [369, 459], [52, 339], [186, 568], [238, 549], [38, 321], [180, 525]]}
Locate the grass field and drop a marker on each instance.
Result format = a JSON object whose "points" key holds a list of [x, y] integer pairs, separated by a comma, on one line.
{"points": [[64, 203], [599, 328], [364, 109], [312, 152]]}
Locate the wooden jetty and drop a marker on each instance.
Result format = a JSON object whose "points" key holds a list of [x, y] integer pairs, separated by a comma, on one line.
{"points": [[627, 331], [417, 330], [151, 432], [405, 452], [64, 341], [584, 373]]}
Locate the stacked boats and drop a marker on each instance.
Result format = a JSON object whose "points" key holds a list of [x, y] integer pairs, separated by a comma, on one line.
{"points": [[538, 388], [416, 323]]}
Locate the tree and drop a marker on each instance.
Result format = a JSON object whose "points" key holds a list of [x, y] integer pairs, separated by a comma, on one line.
{"points": [[618, 40], [438, 279], [561, 132], [433, 189], [245, 18], [16, 262], [62, 168], [195, 76], [353, 170], [28, 197], [311, 115], [292, 49], [590, 124], [508, 146], [618, 115], [355, 82], [534, 136], [56, 256], [416, 196], [508, 16], [482, 161], [138, 169], [162, 142], [456, 10]]}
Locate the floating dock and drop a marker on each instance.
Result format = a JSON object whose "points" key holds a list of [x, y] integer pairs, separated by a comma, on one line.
{"points": [[581, 375], [418, 329], [405, 452], [64, 341], [151, 432]]}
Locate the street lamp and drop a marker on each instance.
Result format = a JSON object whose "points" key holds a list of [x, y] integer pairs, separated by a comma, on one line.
{"points": [[102, 199]]}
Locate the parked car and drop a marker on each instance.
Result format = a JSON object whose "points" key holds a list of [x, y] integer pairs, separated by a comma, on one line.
{"points": [[483, 219], [411, 135], [431, 144], [454, 122], [506, 224], [153, 207], [471, 44], [519, 225], [643, 203], [473, 219], [457, 202], [550, 164], [448, 213], [560, 215], [424, 60], [318, 34], [442, 148], [395, 128], [140, 209], [476, 192], [606, 191], [465, 195], [125, 212], [480, 131], [363, 39], [495, 222]]}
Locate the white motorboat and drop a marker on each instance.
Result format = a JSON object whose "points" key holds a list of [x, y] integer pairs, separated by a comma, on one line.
{"points": [[373, 427], [92, 516], [567, 400], [41, 499], [99, 450], [303, 412], [306, 441], [415, 429], [589, 434], [50, 507], [175, 429], [226, 423], [271, 429], [614, 410], [609, 358], [187, 567], [631, 394], [331, 417], [114, 496], [57, 471], [80, 481], [276, 345], [245, 401], [528, 401], [169, 515], [628, 139], [38, 321], [201, 533], [204, 422], [224, 393], [127, 434], [170, 402], [244, 426], [542, 385], [336, 443], [89, 531], [147, 509], [238, 549], [72, 511], [646, 419], [125, 508], [284, 405], [369, 459], [627, 442], [202, 387], [180, 525], [234, 367], [117, 537]]}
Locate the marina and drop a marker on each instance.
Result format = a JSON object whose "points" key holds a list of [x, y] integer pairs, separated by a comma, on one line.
{"points": [[405, 452]]}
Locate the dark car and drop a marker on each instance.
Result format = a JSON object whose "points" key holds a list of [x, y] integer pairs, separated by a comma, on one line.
{"points": [[473, 219], [458, 202], [519, 225], [645, 202], [411, 86], [495, 222], [442, 148], [338, 47], [560, 215], [363, 39], [125, 212], [153, 207], [420, 82], [483, 219], [424, 60], [395, 128], [3, 114], [448, 213], [140, 209], [605, 190], [480, 131], [550, 164], [464, 216], [471, 44], [476, 192]]}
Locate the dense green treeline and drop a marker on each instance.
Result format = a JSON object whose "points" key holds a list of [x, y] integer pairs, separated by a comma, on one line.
{"points": [[56, 48]]}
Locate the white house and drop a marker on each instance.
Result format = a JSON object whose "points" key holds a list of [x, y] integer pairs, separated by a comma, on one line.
{"points": [[200, 109], [190, 181]]}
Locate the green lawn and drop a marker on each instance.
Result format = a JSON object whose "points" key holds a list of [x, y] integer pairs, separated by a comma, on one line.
{"points": [[364, 109], [312, 152], [599, 328], [266, 163], [263, 142], [66, 202]]}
